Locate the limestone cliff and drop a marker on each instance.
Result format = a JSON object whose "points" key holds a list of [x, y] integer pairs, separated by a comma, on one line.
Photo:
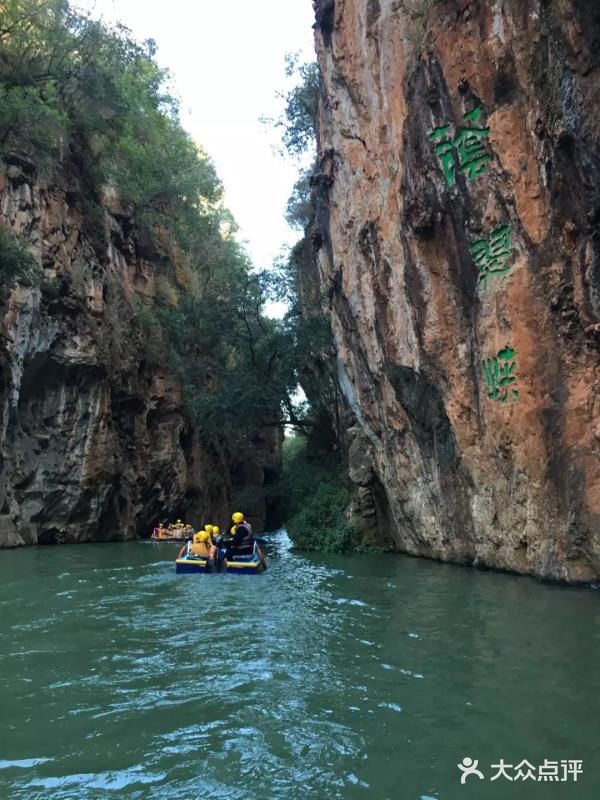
{"points": [[458, 247], [93, 438]]}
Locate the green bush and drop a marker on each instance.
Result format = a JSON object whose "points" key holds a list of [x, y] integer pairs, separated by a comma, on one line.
{"points": [[315, 493], [17, 265], [150, 335]]}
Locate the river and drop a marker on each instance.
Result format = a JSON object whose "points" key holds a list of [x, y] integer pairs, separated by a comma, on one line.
{"points": [[326, 677]]}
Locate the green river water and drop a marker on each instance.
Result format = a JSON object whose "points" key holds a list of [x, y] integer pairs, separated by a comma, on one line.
{"points": [[326, 677]]}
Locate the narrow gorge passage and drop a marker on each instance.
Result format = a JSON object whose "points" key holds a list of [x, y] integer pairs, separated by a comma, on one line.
{"points": [[299, 416]]}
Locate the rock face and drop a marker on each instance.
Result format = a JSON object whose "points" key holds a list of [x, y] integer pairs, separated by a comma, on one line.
{"points": [[459, 215], [93, 439]]}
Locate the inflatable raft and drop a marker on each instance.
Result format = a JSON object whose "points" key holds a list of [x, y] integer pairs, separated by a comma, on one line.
{"points": [[175, 534], [242, 565]]}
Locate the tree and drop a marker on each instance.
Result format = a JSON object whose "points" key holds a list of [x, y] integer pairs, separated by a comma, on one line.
{"points": [[299, 208], [299, 119], [73, 87]]}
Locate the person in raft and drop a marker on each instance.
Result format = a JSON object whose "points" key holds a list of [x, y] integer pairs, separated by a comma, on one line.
{"points": [[242, 542], [203, 545]]}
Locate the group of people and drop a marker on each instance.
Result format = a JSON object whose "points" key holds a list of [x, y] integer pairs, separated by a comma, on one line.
{"points": [[178, 526], [210, 543], [175, 532]]}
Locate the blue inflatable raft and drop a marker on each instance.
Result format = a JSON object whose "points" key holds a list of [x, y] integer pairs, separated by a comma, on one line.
{"points": [[243, 565]]}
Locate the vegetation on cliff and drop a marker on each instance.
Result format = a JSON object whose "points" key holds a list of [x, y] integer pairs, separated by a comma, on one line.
{"points": [[16, 263], [315, 488], [316, 492], [76, 92], [87, 108]]}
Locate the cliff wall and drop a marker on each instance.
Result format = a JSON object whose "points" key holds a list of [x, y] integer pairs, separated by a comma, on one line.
{"points": [[94, 441], [458, 245]]}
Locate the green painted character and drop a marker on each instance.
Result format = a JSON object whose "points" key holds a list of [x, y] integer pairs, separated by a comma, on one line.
{"points": [[445, 153], [498, 374], [466, 152], [491, 256]]}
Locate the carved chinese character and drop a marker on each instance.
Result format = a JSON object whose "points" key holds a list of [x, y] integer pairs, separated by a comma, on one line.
{"points": [[499, 377], [491, 256], [466, 152]]}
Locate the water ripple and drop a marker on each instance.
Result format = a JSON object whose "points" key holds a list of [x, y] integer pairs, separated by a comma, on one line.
{"points": [[325, 677]]}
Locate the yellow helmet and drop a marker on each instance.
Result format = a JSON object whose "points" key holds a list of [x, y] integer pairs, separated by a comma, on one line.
{"points": [[208, 528], [204, 536], [237, 517], [232, 530], [179, 522], [216, 530]]}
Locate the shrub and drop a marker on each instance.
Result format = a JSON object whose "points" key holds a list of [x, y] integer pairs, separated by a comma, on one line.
{"points": [[17, 265], [315, 493]]}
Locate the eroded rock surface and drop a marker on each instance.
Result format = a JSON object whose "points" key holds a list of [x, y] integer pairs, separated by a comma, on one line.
{"points": [[459, 215], [93, 438]]}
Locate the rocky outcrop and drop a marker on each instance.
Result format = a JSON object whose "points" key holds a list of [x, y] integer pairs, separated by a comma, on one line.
{"points": [[335, 428], [459, 214], [93, 438]]}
